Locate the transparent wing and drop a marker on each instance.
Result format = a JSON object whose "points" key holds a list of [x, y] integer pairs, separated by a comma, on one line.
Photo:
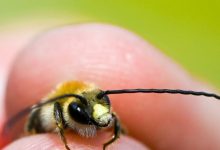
{"points": [[12, 121]]}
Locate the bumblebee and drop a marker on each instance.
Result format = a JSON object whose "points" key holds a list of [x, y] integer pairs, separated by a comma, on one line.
{"points": [[82, 107]]}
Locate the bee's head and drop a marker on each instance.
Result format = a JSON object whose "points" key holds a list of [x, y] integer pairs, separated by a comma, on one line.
{"points": [[92, 111]]}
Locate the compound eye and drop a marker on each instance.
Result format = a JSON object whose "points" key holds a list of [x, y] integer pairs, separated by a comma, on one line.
{"points": [[78, 113]]}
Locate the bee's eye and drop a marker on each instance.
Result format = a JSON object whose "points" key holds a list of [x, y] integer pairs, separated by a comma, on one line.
{"points": [[78, 114]]}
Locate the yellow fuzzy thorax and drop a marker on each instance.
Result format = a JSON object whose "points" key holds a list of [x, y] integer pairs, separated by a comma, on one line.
{"points": [[74, 87]]}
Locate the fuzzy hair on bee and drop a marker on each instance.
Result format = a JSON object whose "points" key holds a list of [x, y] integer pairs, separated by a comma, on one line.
{"points": [[97, 109], [82, 107]]}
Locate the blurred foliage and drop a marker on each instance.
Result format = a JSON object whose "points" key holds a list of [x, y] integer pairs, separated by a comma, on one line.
{"points": [[188, 31]]}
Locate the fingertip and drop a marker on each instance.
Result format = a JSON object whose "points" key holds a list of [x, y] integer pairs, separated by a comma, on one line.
{"points": [[114, 58], [52, 141], [106, 55], [103, 54]]}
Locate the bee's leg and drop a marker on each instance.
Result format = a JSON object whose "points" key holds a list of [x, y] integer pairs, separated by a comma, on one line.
{"points": [[58, 115], [117, 132]]}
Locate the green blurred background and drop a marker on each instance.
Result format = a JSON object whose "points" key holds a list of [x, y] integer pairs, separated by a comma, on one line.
{"points": [[188, 31]]}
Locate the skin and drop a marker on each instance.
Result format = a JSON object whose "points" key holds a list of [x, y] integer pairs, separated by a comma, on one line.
{"points": [[113, 58]]}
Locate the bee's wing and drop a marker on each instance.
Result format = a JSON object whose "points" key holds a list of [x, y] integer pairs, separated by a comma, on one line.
{"points": [[11, 122]]}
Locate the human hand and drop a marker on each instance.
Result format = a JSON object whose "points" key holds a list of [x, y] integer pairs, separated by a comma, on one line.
{"points": [[114, 58]]}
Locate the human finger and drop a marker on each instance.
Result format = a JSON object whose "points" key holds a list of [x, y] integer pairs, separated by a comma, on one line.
{"points": [[52, 141], [114, 58]]}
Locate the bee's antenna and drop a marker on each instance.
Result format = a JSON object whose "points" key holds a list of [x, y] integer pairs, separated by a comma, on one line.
{"points": [[26, 110], [160, 91]]}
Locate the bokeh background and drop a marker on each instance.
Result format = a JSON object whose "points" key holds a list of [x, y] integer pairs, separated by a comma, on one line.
{"points": [[188, 31]]}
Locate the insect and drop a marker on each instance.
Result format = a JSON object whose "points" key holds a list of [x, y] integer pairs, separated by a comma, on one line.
{"points": [[82, 107]]}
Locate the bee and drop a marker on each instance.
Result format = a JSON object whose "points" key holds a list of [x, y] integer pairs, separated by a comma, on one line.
{"points": [[82, 107]]}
